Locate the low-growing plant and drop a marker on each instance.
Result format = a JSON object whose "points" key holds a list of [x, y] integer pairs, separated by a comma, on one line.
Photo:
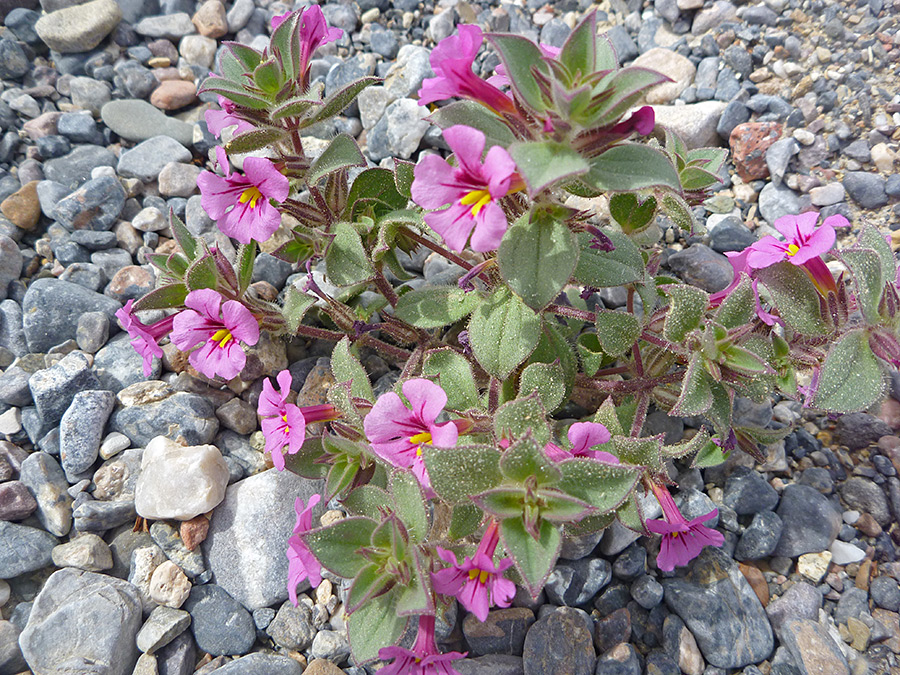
{"points": [[459, 483]]}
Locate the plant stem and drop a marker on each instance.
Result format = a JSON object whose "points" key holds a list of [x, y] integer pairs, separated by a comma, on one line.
{"points": [[437, 248], [397, 353], [385, 287], [626, 386], [640, 414], [573, 313]]}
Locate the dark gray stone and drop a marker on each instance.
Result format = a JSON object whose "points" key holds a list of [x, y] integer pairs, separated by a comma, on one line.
{"points": [[75, 168], [180, 415], [776, 201], [83, 622], [46, 480], [23, 549], [735, 113], [800, 601], [622, 42], [721, 610], [647, 592], [810, 521], [178, 657], [261, 664], [866, 189], [622, 659], [13, 62], [576, 582], [94, 206], [52, 308], [730, 235], [169, 540], [864, 495], [854, 602], [631, 563], [118, 365], [503, 632], [54, 388], [886, 593], [860, 430], [565, 626], [81, 430], [747, 492], [79, 127], [219, 623], [701, 266], [292, 627], [11, 660], [760, 538], [490, 664], [97, 516]]}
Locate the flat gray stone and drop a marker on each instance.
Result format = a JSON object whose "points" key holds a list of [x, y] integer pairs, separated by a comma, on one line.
{"points": [[147, 159], [23, 549], [78, 29], [136, 120]]}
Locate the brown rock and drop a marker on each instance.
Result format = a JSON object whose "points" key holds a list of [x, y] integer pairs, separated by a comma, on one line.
{"points": [[22, 207], [210, 19], [862, 575], [889, 412], [42, 125], [322, 667], [16, 502], [749, 143], [868, 525], [757, 582], [173, 94], [813, 648], [237, 415], [194, 531], [891, 621], [315, 388], [129, 282]]}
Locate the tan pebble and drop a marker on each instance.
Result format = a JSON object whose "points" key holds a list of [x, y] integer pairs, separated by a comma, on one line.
{"points": [[173, 94], [194, 531], [169, 586], [210, 19], [814, 566], [22, 207]]}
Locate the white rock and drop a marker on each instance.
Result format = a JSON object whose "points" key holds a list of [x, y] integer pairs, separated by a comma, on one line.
{"points": [[850, 517], [883, 157], [813, 566], [149, 219], [804, 137], [4, 592], [844, 553], [169, 586], [826, 195], [178, 482], [113, 444]]}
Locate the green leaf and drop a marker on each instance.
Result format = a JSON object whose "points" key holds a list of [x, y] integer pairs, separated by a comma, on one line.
{"points": [[437, 306], [618, 267], [545, 163], [410, 503], [603, 486], [745, 362], [629, 166], [689, 447], [341, 474], [164, 297], [870, 237], [458, 472], [340, 100], [346, 368], [454, 373], [519, 56], [623, 91], [547, 380], [376, 189], [630, 515], [795, 296], [710, 455], [851, 378], [306, 462], [687, 304], [645, 451], [515, 419], [296, 304], [554, 348], [368, 501], [738, 306], [632, 213], [502, 502], [533, 559], [294, 251], [341, 153], [866, 267], [234, 92], [696, 393], [253, 140], [237, 59], [590, 352], [679, 212], [525, 458], [416, 597], [579, 52], [502, 333], [295, 107], [202, 274], [373, 626], [694, 178], [607, 415], [340, 397], [464, 521], [336, 545], [474, 115], [245, 259], [186, 241], [537, 258], [346, 262], [558, 507], [617, 331], [370, 581]]}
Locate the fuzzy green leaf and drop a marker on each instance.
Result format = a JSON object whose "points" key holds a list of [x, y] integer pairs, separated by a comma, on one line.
{"points": [[629, 166], [373, 626], [346, 368], [534, 559], [738, 306], [579, 52], [547, 380], [537, 258], [866, 267], [336, 545], [851, 378], [296, 304], [696, 394], [502, 333], [590, 352], [346, 261], [458, 472], [370, 581], [545, 163], [687, 304], [526, 458], [410, 504], [631, 213], [603, 486], [202, 274], [253, 140], [623, 91], [516, 418], [340, 100], [464, 521], [618, 267], [519, 56], [246, 257], [164, 297], [474, 115], [454, 373], [437, 306], [795, 296], [617, 331], [341, 153], [870, 237], [368, 501]]}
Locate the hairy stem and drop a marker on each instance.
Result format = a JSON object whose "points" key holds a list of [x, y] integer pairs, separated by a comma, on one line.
{"points": [[437, 248], [573, 313]]}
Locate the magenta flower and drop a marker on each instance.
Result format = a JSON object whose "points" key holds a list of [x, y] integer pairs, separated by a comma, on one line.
{"points": [[451, 60], [219, 327], [803, 246], [583, 436], [284, 424], [476, 582], [739, 264], [501, 79], [145, 338], [682, 540], [642, 120], [423, 659], [397, 433], [240, 203], [314, 32], [217, 120], [302, 564], [472, 190]]}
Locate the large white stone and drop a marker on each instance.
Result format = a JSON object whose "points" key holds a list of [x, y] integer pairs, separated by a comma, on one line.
{"points": [[179, 482]]}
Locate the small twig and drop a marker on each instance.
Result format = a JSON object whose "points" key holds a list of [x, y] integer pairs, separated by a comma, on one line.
{"points": [[437, 248]]}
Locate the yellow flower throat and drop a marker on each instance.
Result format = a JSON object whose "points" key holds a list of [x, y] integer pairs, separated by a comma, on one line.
{"points": [[419, 440], [222, 336], [792, 249], [477, 199], [252, 195]]}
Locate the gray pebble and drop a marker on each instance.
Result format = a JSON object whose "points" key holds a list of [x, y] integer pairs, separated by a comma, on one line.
{"points": [[219, 623]]}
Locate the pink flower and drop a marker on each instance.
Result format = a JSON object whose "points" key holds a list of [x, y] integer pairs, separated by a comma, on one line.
{"points": [[500, 78], [424, 658], [583, 436], [682, 540], [314, 32], [803, 246], [217, 120], [146, 338], [452, 62], [738, 262], [476, 582], [642, 120], [472, 190], [397, 433], [302, 564], [241, 203], [284, 424], [219, 327]]}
